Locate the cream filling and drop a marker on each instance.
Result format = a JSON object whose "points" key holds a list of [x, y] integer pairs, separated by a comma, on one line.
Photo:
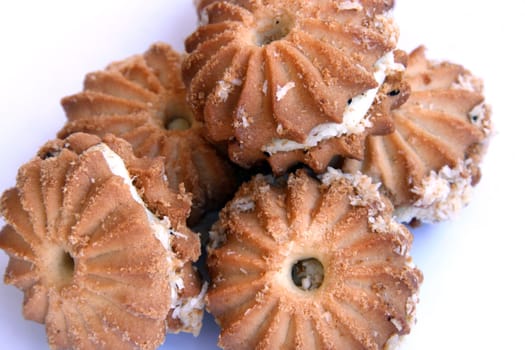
{"points": [[466, 82], [217, 237], [396, 341], [309, 274], [190, 310], [160, 227], [354, 116], [350, 5], [479, 116], [179, 124], [243, 204], [203, 15], [441, 195]]}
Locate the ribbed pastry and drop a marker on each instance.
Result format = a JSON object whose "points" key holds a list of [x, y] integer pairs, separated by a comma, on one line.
{"points": [[429, 165], [308, 265], [271, 78], [143, 100], [102, 255]]}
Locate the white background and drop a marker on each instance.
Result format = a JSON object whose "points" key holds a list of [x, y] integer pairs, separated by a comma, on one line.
{"points": [[472, 297]]}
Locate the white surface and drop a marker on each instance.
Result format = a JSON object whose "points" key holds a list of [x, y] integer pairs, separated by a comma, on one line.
{"points": [[472, 297]]}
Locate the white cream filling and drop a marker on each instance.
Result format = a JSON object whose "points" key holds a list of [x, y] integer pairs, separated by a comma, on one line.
{"points": [[479, 116], [310, 274], [160, 227], [243, 204], [203, 15], [350, 5], [466, 82], [190, 310], [242, 118], [396, 341], [354, 116], [179, 124], [217, 237], [441, 195]]}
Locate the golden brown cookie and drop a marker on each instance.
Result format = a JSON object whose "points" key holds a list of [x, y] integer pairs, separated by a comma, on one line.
{"points": [[99, 246], [304, 264], [143, 100], [429, 165], [293, 81]]}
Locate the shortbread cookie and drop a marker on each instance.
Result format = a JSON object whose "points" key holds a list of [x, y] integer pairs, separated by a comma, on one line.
{"points": [[99, 246], [429, 165], [294, 81], [303, 264], [143, 100]]}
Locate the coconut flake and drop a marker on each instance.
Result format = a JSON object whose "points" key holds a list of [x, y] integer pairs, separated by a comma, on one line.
{"points": [[478, 116], [283, 90], [189, 311], [441, 195], [350, 5], [466, 82], [216, 237], [224, 90], [243, 117], [179, 235], [327, 316], [243, 204]]}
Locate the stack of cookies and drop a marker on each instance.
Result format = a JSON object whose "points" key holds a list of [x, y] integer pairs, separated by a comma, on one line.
{"points": [[317, 141]]}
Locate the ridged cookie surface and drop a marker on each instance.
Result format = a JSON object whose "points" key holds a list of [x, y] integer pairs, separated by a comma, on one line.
{"points": [[429, 165], [303, 264], [293, 81], [99, 245], [142, 99]]}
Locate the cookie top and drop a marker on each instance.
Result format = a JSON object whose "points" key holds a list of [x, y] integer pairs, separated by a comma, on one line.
{"points": [[293, 81], [299, 263]]}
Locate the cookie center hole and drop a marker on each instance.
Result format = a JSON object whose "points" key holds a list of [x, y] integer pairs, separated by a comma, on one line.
{"points": [[308, 274], [176, 116], [277, 29], [59, 266], [177, 123], [67, 266]]}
